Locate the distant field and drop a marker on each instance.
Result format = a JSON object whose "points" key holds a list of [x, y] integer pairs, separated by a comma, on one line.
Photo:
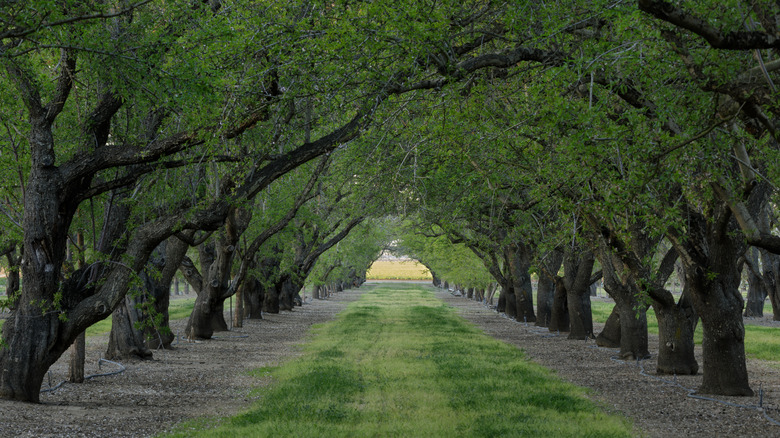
{"points": [[397, 270]]}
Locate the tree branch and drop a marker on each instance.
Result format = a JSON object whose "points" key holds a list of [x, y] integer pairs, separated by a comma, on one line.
{"points": [[740, 40]]}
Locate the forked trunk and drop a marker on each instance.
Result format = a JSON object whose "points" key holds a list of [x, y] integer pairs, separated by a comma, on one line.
{"points": [[676, 324], [577, 268]]}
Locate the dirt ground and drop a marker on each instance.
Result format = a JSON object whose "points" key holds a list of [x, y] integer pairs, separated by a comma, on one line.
{"points": [[209, 379]]}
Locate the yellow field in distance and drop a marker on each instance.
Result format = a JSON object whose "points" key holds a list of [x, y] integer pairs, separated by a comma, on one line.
{"points": [[397, 270]]}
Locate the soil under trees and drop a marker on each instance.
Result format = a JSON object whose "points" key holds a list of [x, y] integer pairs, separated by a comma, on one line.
{"points": [[209, 378]]}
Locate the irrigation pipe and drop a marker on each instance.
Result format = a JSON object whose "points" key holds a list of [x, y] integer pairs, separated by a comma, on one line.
{"points": [[121, 369]]}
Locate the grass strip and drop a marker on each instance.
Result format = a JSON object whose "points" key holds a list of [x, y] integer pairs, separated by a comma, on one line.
{"points": [[398, 362]]}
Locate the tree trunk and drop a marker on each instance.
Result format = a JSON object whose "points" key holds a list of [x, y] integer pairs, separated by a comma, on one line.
{"points": [[287, 294], [610, 335], [77, 357], [271, 299], [709, 252], [78, 351], [577, 268], [511, 303], [545, 289], [631, 313], [253, 298], [146, 326], [580, 316], [769, 276], [719, 304], [559, 317], [633, 330], [216, 261], [676, 324], [491, 292], [238, 314], [519, 262], [125, 340], [757, 292]]}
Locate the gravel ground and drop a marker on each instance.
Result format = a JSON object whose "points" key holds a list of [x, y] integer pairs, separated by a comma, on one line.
{"points": [[657, 408], [209, 379], [196, 379]]}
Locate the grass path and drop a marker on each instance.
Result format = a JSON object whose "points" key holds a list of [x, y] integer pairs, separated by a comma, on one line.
{"points": [[398, 362]]}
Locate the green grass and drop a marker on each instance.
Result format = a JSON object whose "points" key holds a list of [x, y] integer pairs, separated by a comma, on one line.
{"points": [[398, 362], [760, 342], [398, 270]]}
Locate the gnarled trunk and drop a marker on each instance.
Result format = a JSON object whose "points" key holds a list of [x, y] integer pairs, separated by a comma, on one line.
{"points": [[719, 304], [631, 314], [217, 260], [710, 252], [126, 340], [577, 268], [676, 324]]}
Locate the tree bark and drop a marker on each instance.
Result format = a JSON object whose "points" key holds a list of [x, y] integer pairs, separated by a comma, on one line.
{"points": [[610, 335], [631, 313], [577, 268], [253, 298], [709, 254], [238, 313], [125, 340], [545, 289], [559, 316], [757, 292], [78, 351], [518, 259], [676, 325], [216, 260]]}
